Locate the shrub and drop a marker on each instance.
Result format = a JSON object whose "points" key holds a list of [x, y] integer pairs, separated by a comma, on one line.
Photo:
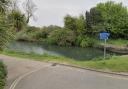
{"points": [[84, 41], [33, 34], [87, 42], [3, 74], [78, 40], [62, 37], [41, 35], [6, 34]]}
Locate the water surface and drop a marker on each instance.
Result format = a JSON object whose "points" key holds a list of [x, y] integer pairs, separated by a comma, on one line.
{"points": [[71, 52]]}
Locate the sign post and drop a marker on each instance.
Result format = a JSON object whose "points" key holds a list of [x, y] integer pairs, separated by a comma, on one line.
{"points": [[105, 49], [104, 36]]}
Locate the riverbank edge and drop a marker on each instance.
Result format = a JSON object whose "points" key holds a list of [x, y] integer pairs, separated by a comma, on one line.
{"points": [[68, 61], [116, 49], [125, 74]]}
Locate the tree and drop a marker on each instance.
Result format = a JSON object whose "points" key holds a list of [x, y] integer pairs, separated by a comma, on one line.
{"points": [[115, 17], [5, 33], [76, 24], [4, 25], [95, 16], [11, 20], [88, 22], [3, 5], [29, 8], [70, 23], [13, 5], [81, 25], [109, 16], [17, 20], [94, 20], [62, 37], [51, 27]]}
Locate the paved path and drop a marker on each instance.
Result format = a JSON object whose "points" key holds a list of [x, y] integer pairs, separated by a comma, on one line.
{"points": [[60, 77]]}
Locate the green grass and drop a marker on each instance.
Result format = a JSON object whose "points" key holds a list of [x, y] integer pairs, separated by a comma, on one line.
{"points": [[115, 63], [118, 42]]}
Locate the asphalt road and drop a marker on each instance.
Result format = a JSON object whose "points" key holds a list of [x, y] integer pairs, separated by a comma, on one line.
{"points": [[17, 67], [63, 77]]}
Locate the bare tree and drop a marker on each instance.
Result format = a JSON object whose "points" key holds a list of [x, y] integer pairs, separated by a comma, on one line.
{"points": [[13, 5], [30, 8]]}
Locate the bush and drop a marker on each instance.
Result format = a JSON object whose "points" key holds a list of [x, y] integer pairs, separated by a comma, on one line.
{"points": [[28, 35], [6, 34], [84, 41], [78, 40], [33, 34], [62, 37], [3, 75], [87, 42]]}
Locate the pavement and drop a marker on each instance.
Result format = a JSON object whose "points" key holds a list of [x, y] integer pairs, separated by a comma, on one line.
{"points": [[39, 75]]}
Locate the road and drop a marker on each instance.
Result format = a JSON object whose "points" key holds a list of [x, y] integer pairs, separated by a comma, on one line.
{"points": [[62, 77], [17, 67]]}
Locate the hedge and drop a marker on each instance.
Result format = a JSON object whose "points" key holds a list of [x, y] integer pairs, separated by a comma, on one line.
{"points": [[3, 75]]}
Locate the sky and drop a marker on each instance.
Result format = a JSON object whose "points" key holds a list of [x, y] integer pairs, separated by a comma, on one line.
{"points": [[52, 12]]}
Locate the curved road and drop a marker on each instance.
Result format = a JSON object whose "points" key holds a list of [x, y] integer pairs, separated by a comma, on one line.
{"points": [[60, 77]]}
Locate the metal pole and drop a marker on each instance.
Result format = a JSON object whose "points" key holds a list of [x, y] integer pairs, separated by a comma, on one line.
{"points": [[105, 49]]}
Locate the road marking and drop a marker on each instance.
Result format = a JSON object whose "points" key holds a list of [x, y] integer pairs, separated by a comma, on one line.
{"points": [[13, 85]]}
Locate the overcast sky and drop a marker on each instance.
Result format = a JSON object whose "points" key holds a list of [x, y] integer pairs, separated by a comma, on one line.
{"points": [[52, 12]]}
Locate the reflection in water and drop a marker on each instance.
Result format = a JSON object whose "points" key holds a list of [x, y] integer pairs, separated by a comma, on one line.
{"points": [[71, 52]]}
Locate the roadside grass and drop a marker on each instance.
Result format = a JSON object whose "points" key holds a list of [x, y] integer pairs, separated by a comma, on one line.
{"points": [[114, 63]]}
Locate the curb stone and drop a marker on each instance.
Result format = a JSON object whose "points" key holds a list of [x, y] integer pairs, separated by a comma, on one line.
{"points": [[90, 69]]}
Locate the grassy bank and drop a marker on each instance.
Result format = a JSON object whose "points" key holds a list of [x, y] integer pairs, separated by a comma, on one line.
{"points": [[3, 75], [118, 42], [115, 63]]}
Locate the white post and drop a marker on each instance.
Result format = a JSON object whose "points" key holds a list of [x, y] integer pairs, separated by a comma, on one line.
{"points": [[105, 49]]}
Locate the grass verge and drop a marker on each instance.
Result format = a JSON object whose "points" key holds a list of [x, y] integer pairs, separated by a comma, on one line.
{"points": [[115, 63]]}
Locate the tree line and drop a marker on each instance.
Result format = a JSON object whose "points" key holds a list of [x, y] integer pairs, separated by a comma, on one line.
{"points": [[82, 30], [110, 17]]}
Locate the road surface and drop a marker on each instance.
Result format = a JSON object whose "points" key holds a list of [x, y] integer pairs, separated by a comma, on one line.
{"points": [[62, 77]]}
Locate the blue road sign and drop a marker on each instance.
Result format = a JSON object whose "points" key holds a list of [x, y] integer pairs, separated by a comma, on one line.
{"points": [[104, 35]]}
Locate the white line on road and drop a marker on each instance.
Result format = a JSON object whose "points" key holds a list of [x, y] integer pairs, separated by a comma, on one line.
{"points": [[13, 85]]}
